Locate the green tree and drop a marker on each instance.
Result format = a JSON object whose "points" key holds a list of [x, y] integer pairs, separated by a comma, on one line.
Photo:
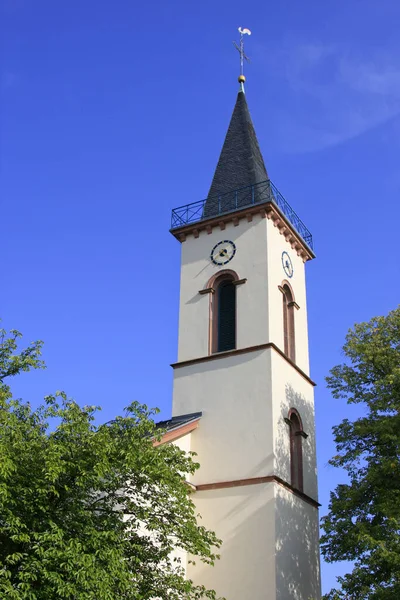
{"points": [[363, 524], [90, 511]]}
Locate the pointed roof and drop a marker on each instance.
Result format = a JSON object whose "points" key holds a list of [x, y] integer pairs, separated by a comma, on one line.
{"points": [[240, 163]]}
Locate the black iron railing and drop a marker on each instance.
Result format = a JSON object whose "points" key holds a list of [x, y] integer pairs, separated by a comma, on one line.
{"points": [[258, 193]]}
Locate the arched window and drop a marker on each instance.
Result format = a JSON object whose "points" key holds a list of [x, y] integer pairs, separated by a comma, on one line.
{"points": [[223, 313], [226, 335], [289, 344], [296, 448]]}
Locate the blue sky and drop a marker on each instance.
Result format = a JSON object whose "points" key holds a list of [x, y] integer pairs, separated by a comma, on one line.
{"points": [[113, 113]]}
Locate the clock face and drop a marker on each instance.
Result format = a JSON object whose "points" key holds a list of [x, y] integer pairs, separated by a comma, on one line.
{"points": [[223, 252], [287, 264]]}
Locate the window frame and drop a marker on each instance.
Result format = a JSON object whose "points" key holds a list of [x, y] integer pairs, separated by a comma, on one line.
{"points": [[289, 330], [297, 434], [213, 285]]}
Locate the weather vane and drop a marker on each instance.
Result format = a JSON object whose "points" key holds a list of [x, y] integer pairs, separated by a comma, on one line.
{"points": [[240, 49]]}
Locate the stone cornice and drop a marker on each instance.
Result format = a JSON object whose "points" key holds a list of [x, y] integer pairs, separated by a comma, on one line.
{"points": [[265, 209], [211, 290], [219, 355], [219, 485]]}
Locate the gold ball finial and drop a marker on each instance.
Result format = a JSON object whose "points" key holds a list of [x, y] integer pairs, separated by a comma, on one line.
{"points": [[241, 79]]}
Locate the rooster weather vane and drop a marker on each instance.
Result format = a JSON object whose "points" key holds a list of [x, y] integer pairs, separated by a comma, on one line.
{"points": [[240, 48]]}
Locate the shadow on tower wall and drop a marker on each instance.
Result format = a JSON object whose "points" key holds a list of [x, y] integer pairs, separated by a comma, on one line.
{"points": [[270, 535]]}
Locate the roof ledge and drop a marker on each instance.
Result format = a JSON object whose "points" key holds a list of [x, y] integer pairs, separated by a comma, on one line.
{"points": [[177, 427], [266, 209]]}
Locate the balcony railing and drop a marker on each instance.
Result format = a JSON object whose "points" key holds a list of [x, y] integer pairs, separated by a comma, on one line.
{"points": [[258, 193]]}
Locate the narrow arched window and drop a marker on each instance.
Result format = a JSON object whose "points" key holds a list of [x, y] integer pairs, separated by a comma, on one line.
{"points": [[224, 314], [289, 344], [296, 449]]}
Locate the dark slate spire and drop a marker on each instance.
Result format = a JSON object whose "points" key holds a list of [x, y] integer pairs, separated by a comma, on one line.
{"points": [[240, 163]]}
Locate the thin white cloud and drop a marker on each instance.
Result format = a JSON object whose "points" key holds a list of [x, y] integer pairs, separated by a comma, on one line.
{"points": [[339, 95]]}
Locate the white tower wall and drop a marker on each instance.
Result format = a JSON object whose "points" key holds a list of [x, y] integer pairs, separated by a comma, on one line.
{"points": [[277, 244], [269, 531], [252, 297]]}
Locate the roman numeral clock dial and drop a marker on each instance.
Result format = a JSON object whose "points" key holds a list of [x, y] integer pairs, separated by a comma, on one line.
{"points": [[223, 252]]}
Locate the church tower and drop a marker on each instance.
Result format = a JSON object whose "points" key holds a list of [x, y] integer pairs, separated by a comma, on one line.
{"points": [[243, 396]]}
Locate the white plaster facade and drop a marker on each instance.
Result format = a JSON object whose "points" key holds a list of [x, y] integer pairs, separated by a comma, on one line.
{"points": [[269, 533]]}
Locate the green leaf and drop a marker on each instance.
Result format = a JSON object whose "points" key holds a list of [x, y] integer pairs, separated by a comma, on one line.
{"points": [[91, 510]]}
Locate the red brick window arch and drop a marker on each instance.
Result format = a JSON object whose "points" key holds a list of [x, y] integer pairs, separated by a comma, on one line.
{"points": [[297, 435], [288, 306], [223, 311]]}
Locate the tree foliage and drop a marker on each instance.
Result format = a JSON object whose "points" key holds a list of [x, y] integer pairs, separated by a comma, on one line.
{"points": [[363, 524], [90, 511]]}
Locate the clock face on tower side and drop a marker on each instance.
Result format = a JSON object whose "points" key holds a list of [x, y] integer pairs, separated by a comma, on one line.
{"points": [[287, 264], [223, 252]]}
